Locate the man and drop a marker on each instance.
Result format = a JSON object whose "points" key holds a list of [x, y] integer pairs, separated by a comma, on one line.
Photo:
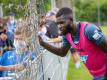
{"points": [[11, 23], [5, 43], [87, 40], [6, 50], [11, 26]]}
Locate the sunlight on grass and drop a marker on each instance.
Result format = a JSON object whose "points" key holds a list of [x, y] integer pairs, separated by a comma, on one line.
{"points": [[104, 29]]}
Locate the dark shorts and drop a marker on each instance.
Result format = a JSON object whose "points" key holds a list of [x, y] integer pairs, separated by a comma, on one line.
{"points": [[99, 78]]}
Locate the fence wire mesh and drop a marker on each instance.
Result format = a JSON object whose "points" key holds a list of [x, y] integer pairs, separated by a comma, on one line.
{"points": [[46, 66], [30, 27]]}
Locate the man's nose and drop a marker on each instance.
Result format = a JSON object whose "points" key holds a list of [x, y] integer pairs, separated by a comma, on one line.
{"points": [[61, 28]]}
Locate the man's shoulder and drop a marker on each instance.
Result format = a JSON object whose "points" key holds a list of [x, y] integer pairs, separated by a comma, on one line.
{"points": [[91, 27], [94, 34]]}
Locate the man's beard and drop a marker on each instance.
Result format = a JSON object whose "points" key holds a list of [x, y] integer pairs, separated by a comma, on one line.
{"points": [[68, 29]]}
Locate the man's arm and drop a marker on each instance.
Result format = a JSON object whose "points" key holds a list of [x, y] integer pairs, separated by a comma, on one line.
{"points": [[18, 67], [96, 36], [60, 51], [103, 45]]}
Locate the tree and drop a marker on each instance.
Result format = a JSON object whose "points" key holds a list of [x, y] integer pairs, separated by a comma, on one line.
{"points": [[88, 10], [16, 6]]}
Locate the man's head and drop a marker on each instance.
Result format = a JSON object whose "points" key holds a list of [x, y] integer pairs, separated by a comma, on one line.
{"points": [[3, 24], [3, 36], [18, 35], [11, 17], [64, 18]]}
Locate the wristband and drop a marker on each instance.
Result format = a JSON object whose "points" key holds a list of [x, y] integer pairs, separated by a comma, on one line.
{"points": [[72, 50]]}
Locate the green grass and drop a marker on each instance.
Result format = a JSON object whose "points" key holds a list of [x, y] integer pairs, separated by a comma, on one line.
{"points": [[82, 73], [78, 74], [104, 29]]}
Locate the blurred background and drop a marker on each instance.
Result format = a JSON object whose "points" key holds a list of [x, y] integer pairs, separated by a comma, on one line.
{"points": [[26, 13]]}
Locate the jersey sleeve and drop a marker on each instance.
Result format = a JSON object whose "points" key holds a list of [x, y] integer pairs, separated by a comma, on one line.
{"points": [[65, 42], [94, 34]]}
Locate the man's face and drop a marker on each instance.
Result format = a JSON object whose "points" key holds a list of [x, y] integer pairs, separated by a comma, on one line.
{"points": [[9, 17], [64, 25], [18, 37], [3, 37]]}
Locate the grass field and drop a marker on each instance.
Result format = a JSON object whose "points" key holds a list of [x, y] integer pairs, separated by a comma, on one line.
{"points": [[81, 73], [104, 29]]}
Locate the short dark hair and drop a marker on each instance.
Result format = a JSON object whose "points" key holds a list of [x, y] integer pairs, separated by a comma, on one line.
{"points": [[64, 11], [18, 32]]}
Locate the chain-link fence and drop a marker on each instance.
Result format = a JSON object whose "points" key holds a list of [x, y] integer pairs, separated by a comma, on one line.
{"points": [[46, 66]]}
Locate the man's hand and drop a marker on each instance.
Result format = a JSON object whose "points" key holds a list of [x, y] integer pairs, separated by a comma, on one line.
{"points": [[8, 48], [60, 51], [19, 67]]}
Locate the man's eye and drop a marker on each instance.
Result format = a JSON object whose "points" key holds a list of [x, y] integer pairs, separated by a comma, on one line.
{"points": [[62, 22]]}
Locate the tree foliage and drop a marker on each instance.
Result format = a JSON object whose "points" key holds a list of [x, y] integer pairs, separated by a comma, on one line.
{"points": [[47, 5], [88, 10], [43, 6], [15, 6]]}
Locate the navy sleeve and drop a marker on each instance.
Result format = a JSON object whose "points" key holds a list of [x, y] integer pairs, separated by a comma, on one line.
{"points": [[94, 34], [65, 42]]}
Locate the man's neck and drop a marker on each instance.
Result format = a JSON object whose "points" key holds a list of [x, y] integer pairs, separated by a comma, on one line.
{"points": [[74, 29]]}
